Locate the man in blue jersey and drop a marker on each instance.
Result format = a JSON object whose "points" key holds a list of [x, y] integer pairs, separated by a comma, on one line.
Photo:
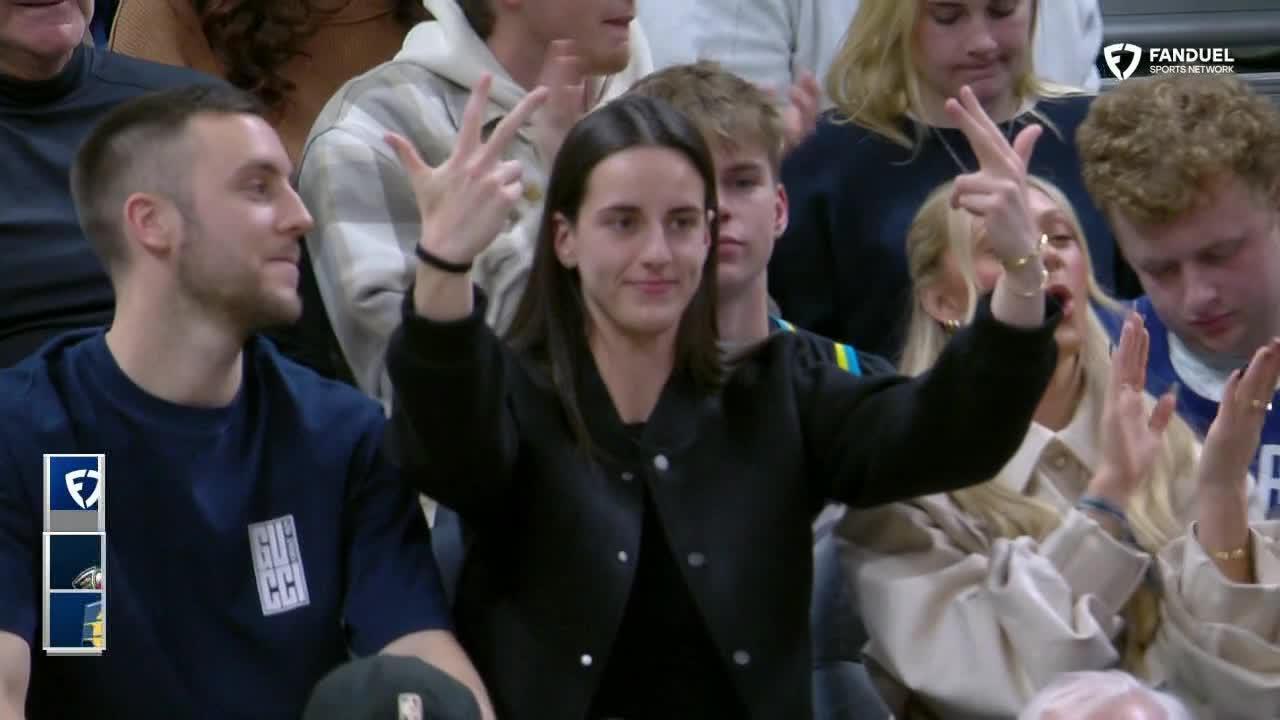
{"points": [[1187, 170], [256, 536]]}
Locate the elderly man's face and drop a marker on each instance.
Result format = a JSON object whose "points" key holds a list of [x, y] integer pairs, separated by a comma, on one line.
{"points": [[37, 37]]}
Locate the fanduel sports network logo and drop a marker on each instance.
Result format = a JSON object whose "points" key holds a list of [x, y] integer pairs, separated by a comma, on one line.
{"points": [[1168, 61], [1113, 54], [75, 482], [277, 563]]}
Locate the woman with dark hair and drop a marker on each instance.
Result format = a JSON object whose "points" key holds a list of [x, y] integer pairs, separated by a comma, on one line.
{"points": [[642, 507], [294, 54]]}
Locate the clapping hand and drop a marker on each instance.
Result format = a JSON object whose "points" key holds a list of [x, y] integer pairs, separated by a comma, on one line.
{"points": [[566, 82], [1233, 438], [466, 201], [801, 115], [997, 192], [1132, 435]]}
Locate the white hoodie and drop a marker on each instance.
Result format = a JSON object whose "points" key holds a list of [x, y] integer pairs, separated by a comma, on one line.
{"points": [[367, 221]]}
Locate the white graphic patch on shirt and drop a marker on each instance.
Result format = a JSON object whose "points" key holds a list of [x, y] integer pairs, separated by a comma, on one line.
{"points": [[277, 564]]}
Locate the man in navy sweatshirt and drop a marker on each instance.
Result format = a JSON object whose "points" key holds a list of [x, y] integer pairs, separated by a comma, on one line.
{"points": [[256, 535], [53, 89]]}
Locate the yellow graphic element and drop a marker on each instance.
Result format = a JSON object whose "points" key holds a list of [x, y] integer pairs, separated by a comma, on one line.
{"points": [[95, 630]]}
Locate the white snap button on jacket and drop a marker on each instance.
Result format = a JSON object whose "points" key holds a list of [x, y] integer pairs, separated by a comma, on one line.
{"points": [[622, 556], [742, 657], [697, 559], [627, 477], [585, 660], [661, 463]]}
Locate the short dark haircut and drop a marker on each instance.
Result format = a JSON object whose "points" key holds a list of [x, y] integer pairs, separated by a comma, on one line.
{"points": [[480, 16], [550, 322], [132, 149]]}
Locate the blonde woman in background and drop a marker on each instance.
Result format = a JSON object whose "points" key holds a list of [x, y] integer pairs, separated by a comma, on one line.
{"points": [[857, 182], [976, 599]]}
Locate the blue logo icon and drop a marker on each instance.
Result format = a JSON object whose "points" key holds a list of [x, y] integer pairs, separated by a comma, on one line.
{"points": [[74, 482]]}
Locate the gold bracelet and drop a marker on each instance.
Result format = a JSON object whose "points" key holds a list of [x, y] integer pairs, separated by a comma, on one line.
{"points": [[1236, 554], [1044, 283], [1011, 265]]}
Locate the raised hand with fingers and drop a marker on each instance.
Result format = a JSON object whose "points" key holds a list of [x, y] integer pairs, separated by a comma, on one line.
{"points": [[1222, 526], [997, 192], [466, 201], [1132, 435], [564, 76], [1233, 438], [800, 117]]}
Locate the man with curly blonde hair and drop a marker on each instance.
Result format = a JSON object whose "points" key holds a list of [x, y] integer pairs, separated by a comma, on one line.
{"points": [[1187, 171]]}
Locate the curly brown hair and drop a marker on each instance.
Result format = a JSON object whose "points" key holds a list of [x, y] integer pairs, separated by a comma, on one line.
{"points": [[1150, 146], [254, 39]]}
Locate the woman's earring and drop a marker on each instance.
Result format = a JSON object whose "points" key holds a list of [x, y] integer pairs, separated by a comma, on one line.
{"points": [[952, 324]]}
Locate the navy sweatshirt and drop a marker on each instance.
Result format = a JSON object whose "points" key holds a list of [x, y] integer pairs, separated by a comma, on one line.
{"points": [[841, 268]]}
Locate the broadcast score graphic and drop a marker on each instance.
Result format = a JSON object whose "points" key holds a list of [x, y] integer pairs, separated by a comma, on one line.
{"points": [[75, 548]]}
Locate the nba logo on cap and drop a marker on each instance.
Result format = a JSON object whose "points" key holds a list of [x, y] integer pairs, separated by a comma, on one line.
{"points": [[74, 482], [410, 705]]}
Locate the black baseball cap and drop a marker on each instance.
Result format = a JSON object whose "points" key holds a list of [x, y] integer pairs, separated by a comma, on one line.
{"points": [[390, 687]]}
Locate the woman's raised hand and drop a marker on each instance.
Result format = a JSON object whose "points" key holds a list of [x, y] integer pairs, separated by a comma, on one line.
{"points": [[467, 200], [1233, 438], [997, 192], [1132, 435]]}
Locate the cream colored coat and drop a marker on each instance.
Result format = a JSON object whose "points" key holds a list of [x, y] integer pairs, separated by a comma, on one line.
{"points": [[972, 626]]}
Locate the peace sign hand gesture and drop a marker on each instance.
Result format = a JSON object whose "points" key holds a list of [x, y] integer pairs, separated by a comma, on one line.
{"points": [[465, 202], [997, 192]]}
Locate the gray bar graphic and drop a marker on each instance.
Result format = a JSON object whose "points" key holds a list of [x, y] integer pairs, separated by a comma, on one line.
{"points": [[75, 521]]}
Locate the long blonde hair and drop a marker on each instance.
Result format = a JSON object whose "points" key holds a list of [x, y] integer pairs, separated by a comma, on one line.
{"points": [[937, 231], [873, 79]]}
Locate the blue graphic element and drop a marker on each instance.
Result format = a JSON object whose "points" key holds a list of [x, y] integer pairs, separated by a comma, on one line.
{"points": [[71, 554], [75, 482], [67, 617]]}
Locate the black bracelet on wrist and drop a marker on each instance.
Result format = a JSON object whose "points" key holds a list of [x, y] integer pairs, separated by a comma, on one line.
{"points": [[440, 263]]}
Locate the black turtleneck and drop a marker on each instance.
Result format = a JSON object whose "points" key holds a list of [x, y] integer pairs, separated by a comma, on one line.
{"points": [[50, 279]]}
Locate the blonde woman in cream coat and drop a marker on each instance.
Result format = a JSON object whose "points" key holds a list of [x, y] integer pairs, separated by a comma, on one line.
{"points": [[976, 600]]}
